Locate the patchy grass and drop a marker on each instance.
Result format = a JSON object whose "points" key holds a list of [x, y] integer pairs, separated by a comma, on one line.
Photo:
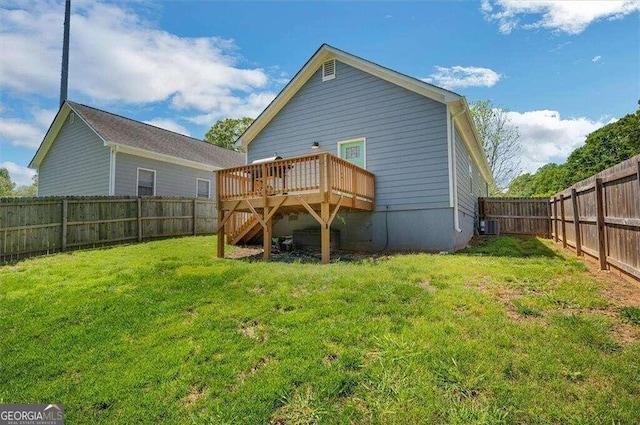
{"points": [[631, 314], [510, 331]]}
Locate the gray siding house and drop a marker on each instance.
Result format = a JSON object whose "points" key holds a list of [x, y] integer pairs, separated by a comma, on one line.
{"points": [[87, 151], [418, 140]]}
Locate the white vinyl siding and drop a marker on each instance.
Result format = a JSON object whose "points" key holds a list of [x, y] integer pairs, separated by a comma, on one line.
{"points": [[471, 186], [406, 133], [77, 164], [171, 179]]}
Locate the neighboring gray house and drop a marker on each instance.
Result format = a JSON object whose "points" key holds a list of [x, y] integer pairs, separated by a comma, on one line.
{"points": [[87, 151], [418, 139]]}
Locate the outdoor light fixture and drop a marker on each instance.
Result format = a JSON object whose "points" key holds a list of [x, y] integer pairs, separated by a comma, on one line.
{"points": [[315, 145]]}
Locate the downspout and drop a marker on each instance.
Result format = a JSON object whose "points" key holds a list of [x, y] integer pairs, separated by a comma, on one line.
{"points": [[456, 218], [112, 170]]}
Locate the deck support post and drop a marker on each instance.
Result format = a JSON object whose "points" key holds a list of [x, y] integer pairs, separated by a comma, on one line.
{"points": [[325, 232], [221, 220], [221, 233], [267, 232]]}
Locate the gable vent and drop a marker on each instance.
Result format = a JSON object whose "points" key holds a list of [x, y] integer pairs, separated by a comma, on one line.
{"points": [[329, 70]]}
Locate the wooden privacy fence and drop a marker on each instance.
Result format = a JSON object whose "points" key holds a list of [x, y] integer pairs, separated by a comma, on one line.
{"points": [[600, 217], [35, 226], [517, 216]]}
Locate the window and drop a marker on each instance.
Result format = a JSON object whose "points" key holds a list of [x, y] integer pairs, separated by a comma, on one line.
{"points": [[203, 188], [353, 151], [146, 182], [329, 70]]}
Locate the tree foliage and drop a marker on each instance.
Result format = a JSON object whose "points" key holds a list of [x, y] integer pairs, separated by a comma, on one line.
{"points": [[27, 191], [6, 185], [500, 140], [224, 133], [603, 148]]}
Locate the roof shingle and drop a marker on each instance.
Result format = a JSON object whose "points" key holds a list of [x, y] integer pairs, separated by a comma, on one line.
{"points": [[125, 131]]}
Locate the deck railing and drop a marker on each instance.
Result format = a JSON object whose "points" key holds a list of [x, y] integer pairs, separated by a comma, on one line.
{"points": [[320, 172]]}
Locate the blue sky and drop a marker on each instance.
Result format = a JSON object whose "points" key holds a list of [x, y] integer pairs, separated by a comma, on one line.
{"points": [[562, 68]]}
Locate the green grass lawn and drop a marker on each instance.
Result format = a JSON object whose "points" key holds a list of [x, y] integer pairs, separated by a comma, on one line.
{"points": [[509, 332]]}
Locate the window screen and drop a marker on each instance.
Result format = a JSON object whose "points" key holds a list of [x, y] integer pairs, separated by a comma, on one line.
{"points": [[202, 189], [146, 182]]}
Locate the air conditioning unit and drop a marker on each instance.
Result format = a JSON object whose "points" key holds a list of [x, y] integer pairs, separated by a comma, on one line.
{"points": [[489, 227]]}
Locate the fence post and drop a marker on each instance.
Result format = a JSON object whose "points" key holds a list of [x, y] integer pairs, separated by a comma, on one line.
{"points": [[194, 216], [63, 245], [139, 217], [563, 222], [602, 251], [555, 219], [576, 221], [549, 230]]}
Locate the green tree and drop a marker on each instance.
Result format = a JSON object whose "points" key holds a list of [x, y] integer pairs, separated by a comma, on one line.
{"points": [[6, 185], [27, 191], [224, 133], [500, 140], [603, 148]]}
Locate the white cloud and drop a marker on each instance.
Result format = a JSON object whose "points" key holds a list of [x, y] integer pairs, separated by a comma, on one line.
{"points": [[236, 108], [546, 137], [571, 17], [168, 124], [19, 132], [596, 59], [26, 133], [560, 47], [461, 77], [21, 176], [117, 56]]}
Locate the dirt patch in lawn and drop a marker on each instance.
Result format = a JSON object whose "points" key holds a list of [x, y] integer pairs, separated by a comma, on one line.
{"points": [[240, 252], [254, 330], [619, 292], [194, 393], [253, 254], [427, 286], [242, 376]]}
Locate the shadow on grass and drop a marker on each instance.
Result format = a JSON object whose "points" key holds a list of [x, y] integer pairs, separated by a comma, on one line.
{"points": [[308, 256], [509, 246], [495, 246]]}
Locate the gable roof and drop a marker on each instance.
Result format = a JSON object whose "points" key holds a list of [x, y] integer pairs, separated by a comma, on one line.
{"points": [[138, 138], [327, 52]]}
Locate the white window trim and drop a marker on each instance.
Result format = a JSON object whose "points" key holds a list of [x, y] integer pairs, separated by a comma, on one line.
{"points": [[330, 76], [358, 139], [138, 180], [204, 180]]}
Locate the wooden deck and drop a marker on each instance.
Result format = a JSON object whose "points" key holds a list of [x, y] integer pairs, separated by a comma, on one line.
{"points": [[250, 196]]}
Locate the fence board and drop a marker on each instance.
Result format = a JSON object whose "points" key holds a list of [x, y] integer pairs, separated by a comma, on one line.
{"points": [[608, 214], [517, 216], [35, 226]]}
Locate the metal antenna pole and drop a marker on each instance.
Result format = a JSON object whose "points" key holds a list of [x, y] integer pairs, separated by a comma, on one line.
{"points": [[64, 79]]}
